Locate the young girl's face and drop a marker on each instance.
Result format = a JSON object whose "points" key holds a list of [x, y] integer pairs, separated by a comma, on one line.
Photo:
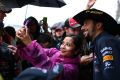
{"points": [[67, 47]]}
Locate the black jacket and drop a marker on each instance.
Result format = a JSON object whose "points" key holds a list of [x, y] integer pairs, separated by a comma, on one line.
{"points": [[6, 62]]}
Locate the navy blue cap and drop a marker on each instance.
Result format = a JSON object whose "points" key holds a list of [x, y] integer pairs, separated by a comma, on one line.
{"points": [[56, 71], [4, 8], [34, 73]]}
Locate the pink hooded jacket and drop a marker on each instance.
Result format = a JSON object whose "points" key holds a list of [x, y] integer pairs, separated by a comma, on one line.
{"points": [[47, 58]]}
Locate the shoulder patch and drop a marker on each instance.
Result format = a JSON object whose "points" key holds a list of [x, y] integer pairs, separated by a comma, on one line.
{"points": [[106, 49]]}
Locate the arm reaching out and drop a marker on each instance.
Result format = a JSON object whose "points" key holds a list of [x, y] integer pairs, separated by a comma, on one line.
{"points": [[90, 4]]}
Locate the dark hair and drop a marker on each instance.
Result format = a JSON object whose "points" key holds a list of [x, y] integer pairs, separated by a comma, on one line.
{"points": [[1, 29], [10, 30], [78, 42], [34, 21]]}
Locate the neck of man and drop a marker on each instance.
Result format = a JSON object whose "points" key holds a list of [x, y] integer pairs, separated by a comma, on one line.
{"points": [[1, 40], [96, 34]]}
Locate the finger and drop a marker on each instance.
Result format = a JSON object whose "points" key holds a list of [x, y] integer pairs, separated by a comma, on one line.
{"points": [[19, 31], [22, 31], [12, 47], [20, 34]]}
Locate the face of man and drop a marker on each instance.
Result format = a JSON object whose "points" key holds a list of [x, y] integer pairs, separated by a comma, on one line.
{"points": [[59, 32], [53, 32], [89, 28], [2, 15], [75, 31]]}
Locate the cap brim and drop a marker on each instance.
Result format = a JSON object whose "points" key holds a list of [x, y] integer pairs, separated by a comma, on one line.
{"points": [[32, 73], [75, 26], [80, 17], [5, 10], [55, 71]]}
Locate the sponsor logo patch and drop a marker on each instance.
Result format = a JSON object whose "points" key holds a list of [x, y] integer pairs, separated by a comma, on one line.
{"points": [[107, 58]]}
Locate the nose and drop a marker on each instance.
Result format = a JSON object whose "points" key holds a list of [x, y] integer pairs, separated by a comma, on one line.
{"points": [[82, 28], [62, 46], [5, 15]]}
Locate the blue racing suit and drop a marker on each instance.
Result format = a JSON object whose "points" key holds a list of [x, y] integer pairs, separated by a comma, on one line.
{"points": [[106, 50]]}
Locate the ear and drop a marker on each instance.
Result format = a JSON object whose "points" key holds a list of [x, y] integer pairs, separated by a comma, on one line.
{"points": [[99, 25]]}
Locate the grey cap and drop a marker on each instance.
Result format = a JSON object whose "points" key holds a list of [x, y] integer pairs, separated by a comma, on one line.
{"points": [[58, 25], [4, 8]]}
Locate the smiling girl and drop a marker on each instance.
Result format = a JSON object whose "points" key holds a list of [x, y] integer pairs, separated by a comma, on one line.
{"points": [[47, 57]]}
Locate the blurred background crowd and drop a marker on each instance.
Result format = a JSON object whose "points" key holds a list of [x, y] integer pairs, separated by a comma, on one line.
{"points": [[11, 64]]}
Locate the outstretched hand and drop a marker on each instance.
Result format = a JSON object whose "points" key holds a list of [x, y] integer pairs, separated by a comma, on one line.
{"points": [[90, 4], [23, 35]]}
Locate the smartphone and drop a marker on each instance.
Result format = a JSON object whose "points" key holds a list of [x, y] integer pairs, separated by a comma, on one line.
{"points": [[44, 20]]}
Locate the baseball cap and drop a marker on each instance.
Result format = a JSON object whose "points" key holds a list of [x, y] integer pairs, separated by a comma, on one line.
{"points": [[71, 23], [58, 25], [35, 73], [32, 73], [4, 8]]}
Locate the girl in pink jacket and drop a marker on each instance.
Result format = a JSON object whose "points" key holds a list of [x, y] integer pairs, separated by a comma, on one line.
{"points": [[68, 55]]}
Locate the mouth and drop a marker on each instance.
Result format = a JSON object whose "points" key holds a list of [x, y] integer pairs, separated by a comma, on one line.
{"points": [[63, 51], [1, 19], [85, 33]]}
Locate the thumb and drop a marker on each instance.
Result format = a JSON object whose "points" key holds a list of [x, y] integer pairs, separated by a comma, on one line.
{"points": [[26, 30]]}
